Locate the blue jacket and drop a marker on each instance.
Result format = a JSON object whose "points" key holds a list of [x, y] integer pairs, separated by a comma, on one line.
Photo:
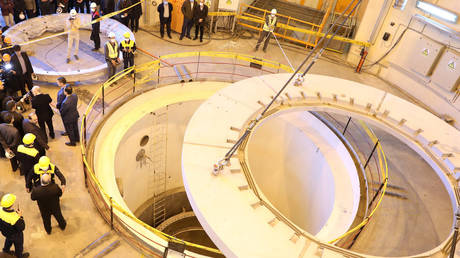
{"points": [[69, 111], [60, 98]]}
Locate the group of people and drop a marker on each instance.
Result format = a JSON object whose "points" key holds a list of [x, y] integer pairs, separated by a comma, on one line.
{"points": [[15, 11], [24, 141]]}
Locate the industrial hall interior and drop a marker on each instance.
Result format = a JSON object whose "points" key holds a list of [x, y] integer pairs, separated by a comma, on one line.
{"points": [[230, 128]]}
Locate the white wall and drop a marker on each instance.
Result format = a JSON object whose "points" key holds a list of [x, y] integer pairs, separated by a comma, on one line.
{"points": [[304, 170], [395, 67], [137, 178]]}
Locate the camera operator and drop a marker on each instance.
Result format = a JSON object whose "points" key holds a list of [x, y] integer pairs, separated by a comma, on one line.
{"points": [[12, 81]]}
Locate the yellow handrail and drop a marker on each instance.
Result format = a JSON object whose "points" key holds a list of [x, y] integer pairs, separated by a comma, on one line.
{"points": [[384, 166], [154, 66]]}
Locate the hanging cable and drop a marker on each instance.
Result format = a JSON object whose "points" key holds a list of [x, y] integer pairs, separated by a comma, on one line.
{"points": [[282, 50], [229, 154]]}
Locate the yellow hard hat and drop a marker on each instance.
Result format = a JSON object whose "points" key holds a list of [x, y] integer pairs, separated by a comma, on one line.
{"points": [[7, 40], [8, 200], [29, 138], [127, 35], [44, 162], [6, 57]]}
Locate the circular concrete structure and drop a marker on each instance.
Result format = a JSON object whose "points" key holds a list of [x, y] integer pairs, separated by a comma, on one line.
{"points": [[52, 64]]}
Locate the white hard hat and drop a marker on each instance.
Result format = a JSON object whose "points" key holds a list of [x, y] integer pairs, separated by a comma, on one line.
{"points": [[93, 5], [22, 16], [73, 12], [273, 11], [111, 35]]}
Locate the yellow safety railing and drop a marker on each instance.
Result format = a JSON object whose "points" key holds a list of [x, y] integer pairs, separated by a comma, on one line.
{"points": [[146, 70], [384, 179]]}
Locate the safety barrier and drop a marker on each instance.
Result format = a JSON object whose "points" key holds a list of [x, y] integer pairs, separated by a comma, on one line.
{"points": [[377, 196], [120, 87], [365, 143]]}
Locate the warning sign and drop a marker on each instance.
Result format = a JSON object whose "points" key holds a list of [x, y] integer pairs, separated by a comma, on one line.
{"points": [[451, 64], [426, 51]]}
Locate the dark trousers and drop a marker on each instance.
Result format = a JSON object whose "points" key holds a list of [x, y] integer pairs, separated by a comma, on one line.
{"points": [[264, 35], [14, 163], [28, 81], [87, 6], [46, 8], [186, 26], [128, 60], [80, 7], [30, 14], [46, 217], [97, 40], [112, 69], [167, 23], [134, 23], [199, 26], [72, 131], [18, 241], [49, 123], [125, 21]]}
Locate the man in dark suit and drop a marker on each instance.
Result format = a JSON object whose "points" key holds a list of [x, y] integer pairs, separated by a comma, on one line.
{"points": [[9, 139], [10, 108], [69, 114], [41, 104], [165, 11], [30, 125], [187, 11], [47, 196], [24, 68], [199, 15]]}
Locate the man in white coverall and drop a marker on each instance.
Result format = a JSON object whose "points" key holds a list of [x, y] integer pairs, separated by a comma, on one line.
{"points": [[72, 26]]}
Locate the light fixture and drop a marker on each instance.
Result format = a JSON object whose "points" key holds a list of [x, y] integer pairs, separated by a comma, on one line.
{"points": [[437, 11], [400, 4]]}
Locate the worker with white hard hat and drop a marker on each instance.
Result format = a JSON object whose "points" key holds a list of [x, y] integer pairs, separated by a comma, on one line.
{"points": [[96, 27], [12, 226], [269, 27], [112, 54], [128, 47], [72, 26]]}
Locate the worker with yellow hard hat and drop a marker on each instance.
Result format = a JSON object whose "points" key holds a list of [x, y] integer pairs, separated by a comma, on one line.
{"points": [[44, 166], [28, 154], [128, 47], [12, 226]]}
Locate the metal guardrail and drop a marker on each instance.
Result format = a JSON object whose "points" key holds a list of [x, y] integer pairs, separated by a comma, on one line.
{"points": [[121, 87]]}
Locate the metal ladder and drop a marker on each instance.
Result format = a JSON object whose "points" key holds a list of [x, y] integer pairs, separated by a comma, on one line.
{"points": [[157, 186]]}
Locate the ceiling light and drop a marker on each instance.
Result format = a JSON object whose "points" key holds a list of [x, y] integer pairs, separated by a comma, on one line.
{"points": [[437, 11]]}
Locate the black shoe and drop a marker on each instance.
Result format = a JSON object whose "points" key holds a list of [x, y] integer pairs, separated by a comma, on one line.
{"points": [[25, 255], [52, 136], [189, 37], [70, 144], [181, 37], [201, 40], [95, 49], [265, 51], [9, 252], [63, 227], [64, 134], [76, 57], [68, 60], [169, 36], [48, 232], [195, 38], [162, 36]]}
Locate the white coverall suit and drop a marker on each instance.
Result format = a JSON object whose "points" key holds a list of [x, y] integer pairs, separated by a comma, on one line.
{"points": [[72, 25]]}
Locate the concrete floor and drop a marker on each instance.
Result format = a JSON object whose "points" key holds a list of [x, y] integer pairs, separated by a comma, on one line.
{"points": [[84, 222]]}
